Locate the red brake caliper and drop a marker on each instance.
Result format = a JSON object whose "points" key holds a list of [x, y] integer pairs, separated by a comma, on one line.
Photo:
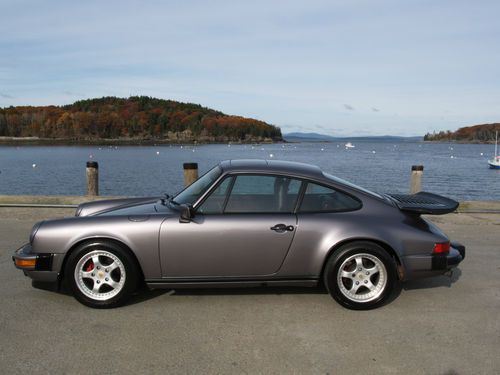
{"points": [[90, 266]]}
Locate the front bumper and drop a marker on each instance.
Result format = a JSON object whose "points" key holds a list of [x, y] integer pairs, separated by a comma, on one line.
{"points": [[36, 266], [418, 266]]}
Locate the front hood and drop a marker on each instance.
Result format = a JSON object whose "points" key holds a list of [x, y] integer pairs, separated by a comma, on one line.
{"points": [[137, 205]]}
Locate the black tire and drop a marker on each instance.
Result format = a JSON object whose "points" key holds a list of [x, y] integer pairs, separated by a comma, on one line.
{"points": [[122, 273], [363, 287]]}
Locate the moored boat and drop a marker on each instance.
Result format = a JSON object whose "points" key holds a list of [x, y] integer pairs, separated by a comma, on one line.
{"points": [[494, 163]]}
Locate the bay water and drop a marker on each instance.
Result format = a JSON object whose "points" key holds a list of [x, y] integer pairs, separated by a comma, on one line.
{"points": [[459, 171]]}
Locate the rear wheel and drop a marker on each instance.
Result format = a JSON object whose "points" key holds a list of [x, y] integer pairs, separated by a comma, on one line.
{"points": [[360, 275], [101, 275]]}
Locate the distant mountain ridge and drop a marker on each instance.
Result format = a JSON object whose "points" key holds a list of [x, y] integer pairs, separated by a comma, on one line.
{"points": [[309, 136], [317, 137]]}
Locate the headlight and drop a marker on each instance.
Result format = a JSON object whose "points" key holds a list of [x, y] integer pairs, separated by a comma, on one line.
{"points": [[34, 230]]}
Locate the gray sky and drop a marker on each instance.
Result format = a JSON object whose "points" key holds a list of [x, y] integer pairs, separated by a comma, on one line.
{"points": [[335, 67]]}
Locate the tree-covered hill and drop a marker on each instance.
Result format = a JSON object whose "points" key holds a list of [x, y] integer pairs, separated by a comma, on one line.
{"points": [[475, 134], [135, 118]]}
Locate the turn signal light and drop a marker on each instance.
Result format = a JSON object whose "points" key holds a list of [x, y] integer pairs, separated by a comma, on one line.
{"points": [[26, 263], [441, 248]]}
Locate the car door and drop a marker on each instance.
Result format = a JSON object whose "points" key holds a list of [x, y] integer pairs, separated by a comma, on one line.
{"points": [[244, 228]]}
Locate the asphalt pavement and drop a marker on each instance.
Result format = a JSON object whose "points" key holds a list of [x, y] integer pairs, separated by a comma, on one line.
{"points": [[436, 326]]}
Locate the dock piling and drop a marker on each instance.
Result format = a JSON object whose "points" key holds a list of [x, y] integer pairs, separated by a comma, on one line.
{"points": [[92, 178], [190, 173], [416, 178]]}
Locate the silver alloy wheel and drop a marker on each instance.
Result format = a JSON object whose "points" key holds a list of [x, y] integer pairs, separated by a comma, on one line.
{"points": [[362, 277], [100, 275]]}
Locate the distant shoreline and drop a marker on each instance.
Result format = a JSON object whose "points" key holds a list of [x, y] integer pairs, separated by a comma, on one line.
{"points": [[469, 142], [35, 141]]}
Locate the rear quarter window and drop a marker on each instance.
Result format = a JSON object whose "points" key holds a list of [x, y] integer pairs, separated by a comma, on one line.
{"points": [[319, 198]]}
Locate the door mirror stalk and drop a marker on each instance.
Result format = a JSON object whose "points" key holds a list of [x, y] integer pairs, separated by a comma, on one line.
{"points": [[187, 213]]}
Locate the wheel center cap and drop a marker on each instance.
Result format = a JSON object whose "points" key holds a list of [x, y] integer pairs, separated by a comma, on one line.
{"points": [[100, 274]]}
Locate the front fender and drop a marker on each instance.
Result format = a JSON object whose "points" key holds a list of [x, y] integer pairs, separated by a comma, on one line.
{"points": [[141, 237]]}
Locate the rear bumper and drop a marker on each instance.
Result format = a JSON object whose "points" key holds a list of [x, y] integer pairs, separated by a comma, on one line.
{"points": [[36, 266], [453, 259], [418, 266]]}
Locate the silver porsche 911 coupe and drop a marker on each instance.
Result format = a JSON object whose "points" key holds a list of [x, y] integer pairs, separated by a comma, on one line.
{"points": [[246, 223]]}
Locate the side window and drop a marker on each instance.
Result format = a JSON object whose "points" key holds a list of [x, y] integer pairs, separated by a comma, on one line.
{"points": [[214, 204], [259, 193], [318, 198]]}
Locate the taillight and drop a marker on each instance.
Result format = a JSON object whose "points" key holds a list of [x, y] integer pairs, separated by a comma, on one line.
{"points": [[441, 248]]}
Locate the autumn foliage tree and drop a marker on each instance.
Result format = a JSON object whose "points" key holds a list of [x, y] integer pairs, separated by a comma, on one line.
{"points": [[476, 133], [138, 117]]}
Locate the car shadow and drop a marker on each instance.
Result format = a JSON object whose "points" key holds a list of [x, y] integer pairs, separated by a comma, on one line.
{"points": [[434, 282], [426, 283], [261, 290], [141, 295], [146, 294]]}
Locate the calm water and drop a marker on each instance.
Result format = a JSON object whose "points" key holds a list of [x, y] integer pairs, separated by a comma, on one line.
{"points": [[456, 170]]}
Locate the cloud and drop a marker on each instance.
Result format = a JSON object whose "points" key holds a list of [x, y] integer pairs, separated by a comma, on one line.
{"points": [[71, 93], [201, 52]]}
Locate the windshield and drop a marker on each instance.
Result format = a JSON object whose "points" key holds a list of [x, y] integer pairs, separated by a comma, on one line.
{"points": [[350, 184], [191, 194]]}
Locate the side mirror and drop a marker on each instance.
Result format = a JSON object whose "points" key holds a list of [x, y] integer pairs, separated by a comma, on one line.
{"points": [[187, 213]]}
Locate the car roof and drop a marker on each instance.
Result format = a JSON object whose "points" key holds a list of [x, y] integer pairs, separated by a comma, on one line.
{"points": [[272, 166]]}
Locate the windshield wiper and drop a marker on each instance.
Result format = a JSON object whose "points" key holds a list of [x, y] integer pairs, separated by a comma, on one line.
{"points": [[171, 200], [166, 199]]}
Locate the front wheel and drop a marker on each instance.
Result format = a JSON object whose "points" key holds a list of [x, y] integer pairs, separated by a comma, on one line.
{"points": [[360, 275], [101, 275]]}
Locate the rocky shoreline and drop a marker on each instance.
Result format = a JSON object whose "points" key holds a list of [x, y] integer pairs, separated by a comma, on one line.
{"points": [[171, 140]]}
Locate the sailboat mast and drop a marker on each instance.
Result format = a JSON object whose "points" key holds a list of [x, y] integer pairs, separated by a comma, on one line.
{"points": [[496, 143]]}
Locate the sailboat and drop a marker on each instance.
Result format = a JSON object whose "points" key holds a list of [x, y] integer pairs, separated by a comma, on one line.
{"points": [[349, 145], [495, 162]]}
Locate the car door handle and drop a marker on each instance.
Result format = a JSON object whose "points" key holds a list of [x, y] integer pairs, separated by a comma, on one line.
{"points": [[282, 228]]}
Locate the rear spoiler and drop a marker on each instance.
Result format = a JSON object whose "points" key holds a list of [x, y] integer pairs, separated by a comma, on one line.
{"points": [[424, 203]]}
